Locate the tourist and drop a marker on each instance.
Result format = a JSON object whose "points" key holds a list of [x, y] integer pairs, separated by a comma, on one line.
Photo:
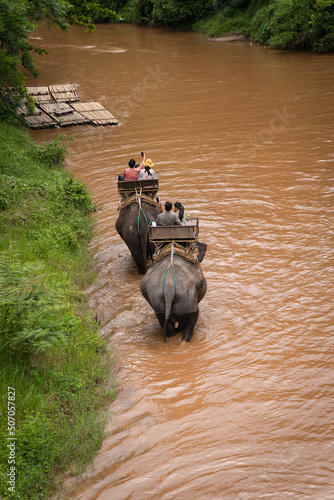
{"points": [[131, 173], [147, 172], [181, 213], [168, 218]]}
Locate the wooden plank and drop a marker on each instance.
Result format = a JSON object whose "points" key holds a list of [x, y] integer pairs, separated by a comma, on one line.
{"points": [[177, 233], [95, 112], [143, 185], [38, 90], [64, 93], [42, 120], [64, 114], [40, 94]]}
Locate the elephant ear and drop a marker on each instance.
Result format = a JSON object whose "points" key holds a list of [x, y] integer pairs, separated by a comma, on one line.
{"points": [[201, 250]]}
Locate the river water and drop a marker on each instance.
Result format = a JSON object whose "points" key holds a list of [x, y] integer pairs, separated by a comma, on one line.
{"points": [[243, 137]]}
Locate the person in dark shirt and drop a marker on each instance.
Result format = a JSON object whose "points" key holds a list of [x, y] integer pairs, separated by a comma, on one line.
{"points": [[168, 218]]}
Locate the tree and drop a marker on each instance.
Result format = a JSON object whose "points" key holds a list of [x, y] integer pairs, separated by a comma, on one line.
{"points": [[174, 13], [296, 24]]}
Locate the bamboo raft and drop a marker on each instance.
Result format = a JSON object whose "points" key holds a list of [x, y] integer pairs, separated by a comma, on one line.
{"points": [[64, 93], [95, 113], [40, 120], [58, 106], [40, 94], [63, 114]]}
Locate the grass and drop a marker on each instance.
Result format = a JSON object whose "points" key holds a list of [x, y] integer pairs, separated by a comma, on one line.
{"points": [[51, 352]]}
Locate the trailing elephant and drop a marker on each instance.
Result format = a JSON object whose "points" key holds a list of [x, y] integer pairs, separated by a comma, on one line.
{"points": [[174, 286], [132, 226]]}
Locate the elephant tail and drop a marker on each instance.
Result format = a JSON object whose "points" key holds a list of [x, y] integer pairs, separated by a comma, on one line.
{"points": [[142, 230], [169, 294], [168, 308]]}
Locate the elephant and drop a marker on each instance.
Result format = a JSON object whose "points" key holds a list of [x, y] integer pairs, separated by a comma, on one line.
{"points": [[132, 226], [174, 286]]}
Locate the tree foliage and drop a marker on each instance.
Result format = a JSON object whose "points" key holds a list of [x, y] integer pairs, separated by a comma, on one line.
{"points": [[173, 13], [87, 13], [296, 24]]}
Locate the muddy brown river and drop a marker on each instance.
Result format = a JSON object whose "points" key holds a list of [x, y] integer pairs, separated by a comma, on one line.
{"points": [[243, 137]]}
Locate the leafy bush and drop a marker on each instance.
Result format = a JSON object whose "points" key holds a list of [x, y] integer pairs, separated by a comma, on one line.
{"points": [[41, 206], [76, 194], [59, 422], [33, 314], [296, 24], [52, 153]]}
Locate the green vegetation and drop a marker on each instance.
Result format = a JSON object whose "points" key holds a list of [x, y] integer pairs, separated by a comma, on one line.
{"points": [[280, 24], [87, 13], [224, 21], [179, 14], [51, 352], [295, 24]]}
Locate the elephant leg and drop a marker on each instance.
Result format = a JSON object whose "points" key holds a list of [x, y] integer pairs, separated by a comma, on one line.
{"points": [[141, 264], [187, 324], [170, 325], [187, 333], [141, 270]]}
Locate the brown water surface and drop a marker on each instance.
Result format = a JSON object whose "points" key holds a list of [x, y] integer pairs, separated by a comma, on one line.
{"points": [[243, 137]]}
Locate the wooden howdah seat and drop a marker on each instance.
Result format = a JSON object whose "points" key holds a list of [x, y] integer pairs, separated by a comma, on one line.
{"points": [[144, 186], [178, 234], [177, 239]]}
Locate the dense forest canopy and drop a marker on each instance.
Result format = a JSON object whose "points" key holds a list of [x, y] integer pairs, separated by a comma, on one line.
{"points": [[280, 24]]}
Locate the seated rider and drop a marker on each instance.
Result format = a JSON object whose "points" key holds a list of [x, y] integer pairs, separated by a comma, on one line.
{"points": [[147, 172], [168, 218], [181, 213], [131, 173]]}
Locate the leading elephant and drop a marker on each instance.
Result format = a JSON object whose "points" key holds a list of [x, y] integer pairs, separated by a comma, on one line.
{"points": [[132, 226], [174, 286]]}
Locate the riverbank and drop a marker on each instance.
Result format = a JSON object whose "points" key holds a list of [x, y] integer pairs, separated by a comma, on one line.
{"points": [[296, 25], [55, 370]]}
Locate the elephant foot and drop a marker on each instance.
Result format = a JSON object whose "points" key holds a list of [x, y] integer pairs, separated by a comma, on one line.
{"points": [[186, 337]]}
